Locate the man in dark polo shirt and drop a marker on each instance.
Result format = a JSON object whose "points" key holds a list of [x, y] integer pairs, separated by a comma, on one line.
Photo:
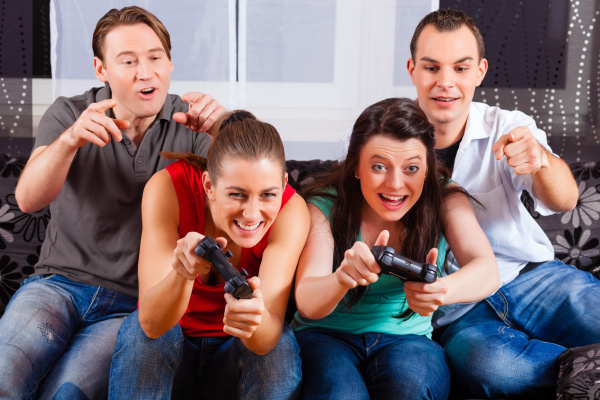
{"points": [[93, 155]]}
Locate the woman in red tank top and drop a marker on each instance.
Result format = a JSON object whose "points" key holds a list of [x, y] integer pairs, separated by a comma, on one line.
{"points": [[211, 342]]}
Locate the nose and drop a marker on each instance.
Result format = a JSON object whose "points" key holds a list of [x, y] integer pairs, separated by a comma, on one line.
{"points": [[251, 210], [446, 77], [395, 179], [143, 70]]}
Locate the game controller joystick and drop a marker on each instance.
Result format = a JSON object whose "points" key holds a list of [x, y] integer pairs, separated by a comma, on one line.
{"points": [[405, 269], [235, 283]]}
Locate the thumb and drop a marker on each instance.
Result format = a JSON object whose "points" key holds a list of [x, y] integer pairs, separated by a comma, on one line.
{"points": [[180, 117], [254, 282], [221, 241], [432, 256], [383, 238]]}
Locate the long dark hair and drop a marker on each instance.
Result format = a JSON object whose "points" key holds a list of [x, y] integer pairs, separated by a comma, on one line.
{"points": [[239, 136], [400, 119]]}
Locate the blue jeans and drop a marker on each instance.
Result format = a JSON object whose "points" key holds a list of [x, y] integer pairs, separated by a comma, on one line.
{"points": [[176, 366], [57, 339], [509, 344], [339, 365]]}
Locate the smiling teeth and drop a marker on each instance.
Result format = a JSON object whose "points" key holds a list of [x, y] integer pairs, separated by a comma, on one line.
{"points": [[446, 100], [247, 227], [393, 198], [147, 90]]}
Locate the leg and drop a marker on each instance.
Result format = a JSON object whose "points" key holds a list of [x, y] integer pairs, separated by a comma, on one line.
{"points": [[331, 365], [406, 367], [145, 368], [37, 327], [73, 377], [555, 303], [493, 360], [275, 375]]}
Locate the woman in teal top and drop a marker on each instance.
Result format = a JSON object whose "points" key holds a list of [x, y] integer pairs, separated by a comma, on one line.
{"points": [[362, 335]]}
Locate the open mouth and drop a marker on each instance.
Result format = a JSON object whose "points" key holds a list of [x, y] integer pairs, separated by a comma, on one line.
{"points": [[445, 99], [147, 91], [248, 228], [392, 200]]}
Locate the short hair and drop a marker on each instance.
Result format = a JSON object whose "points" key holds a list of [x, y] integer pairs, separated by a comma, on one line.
{"points": [[128, 16], [447, 20]]}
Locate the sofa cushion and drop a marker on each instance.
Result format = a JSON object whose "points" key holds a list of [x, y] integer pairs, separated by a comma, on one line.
{"points": [[21, 234], [579, 373], [575, 234]]}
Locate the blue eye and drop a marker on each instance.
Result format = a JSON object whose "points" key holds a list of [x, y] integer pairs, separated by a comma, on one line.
{"points": [[378, 167], [413, 168]]}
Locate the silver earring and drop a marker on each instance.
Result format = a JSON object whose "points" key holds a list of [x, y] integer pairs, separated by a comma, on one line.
{"points": [[356, 176]]}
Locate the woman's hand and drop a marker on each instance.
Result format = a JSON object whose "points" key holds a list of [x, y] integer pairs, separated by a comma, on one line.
{"points": [[243, 316], [359, 266], [185, 261], [425, 298]]}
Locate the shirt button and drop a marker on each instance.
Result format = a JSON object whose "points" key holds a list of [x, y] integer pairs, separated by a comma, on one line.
{"points": [[139, 160], [127, 142]]}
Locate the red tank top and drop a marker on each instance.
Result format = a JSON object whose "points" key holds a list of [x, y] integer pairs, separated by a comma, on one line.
{"points": [[204, 315]]}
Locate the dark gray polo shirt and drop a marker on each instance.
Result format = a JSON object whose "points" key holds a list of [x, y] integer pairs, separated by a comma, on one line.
{"points": [[95, 227]]}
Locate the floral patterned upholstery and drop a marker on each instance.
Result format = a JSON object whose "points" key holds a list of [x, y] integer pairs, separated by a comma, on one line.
{"points": [[574, 234]]}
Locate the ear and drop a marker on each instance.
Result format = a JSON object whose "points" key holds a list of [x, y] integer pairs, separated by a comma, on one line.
{"points": [[410, 67], [482, 69], [208, 186], [100, 70], [285, 180]]}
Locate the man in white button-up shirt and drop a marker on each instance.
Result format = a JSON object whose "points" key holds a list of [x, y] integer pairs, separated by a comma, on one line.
{"points": [[509, 343]]}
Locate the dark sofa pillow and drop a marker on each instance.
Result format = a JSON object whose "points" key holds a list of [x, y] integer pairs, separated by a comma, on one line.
{"points": [[21, 234], [579, 373], [575, 234]]}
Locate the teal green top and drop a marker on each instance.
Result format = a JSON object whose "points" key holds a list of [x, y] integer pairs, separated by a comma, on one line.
{"points": [[376, 309]]}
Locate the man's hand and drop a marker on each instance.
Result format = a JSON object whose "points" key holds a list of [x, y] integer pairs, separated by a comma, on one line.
{"points": [[95, 127], [523, 152], [202, 114]]}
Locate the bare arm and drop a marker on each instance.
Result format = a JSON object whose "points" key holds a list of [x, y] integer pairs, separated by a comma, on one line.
{"points": [[318, 289], [167, 264], [277, 269], [46, 171], [478, 276], [553, 182]]}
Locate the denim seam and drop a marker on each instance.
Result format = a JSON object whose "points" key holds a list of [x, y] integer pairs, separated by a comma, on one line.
{"points": [[368, 349], [502, 315], [83, 317]]}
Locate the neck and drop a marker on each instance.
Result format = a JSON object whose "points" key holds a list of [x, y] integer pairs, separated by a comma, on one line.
{"points": [[446, 134], [138, 126]]}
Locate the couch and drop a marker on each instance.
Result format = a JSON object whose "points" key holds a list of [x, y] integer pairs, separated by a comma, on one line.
{"points": [[574, 234]]}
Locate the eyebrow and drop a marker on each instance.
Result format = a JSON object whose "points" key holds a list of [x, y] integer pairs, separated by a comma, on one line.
{"points": [[386, 158], [130, 52], [467, 58], [240, 189]]}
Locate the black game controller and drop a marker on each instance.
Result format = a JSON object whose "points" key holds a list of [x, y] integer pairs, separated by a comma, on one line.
{"points": [[235, 283], [405, 269]]}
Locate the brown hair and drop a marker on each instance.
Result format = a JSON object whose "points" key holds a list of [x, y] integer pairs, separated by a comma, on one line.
{"points": [[128, 16], [447, 21], [400, 119], [240, 136]]}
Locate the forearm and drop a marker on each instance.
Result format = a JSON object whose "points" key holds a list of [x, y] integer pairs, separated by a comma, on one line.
{"points": [[317, 297], [162, 306], [266, 336], [44, 175], [554, 185], [473, 282]]}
